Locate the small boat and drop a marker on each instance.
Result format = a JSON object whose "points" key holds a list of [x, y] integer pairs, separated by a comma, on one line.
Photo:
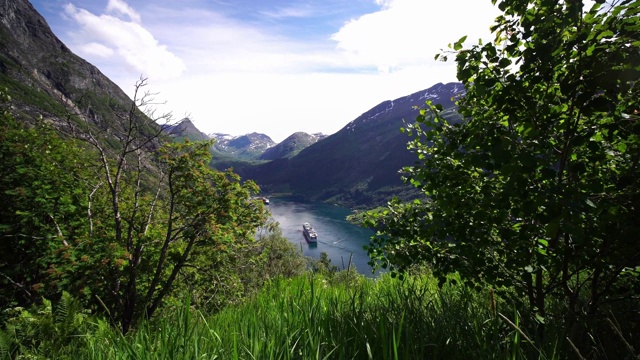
{"points": [[309, 233], [265, 200]]}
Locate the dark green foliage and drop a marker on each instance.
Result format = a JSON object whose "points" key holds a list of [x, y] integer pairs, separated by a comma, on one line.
{"points": [[537, 190], [308, 317], [281, 258], [235, 272], [121, 229], [43, 190], [45, 331], [323, 265]]}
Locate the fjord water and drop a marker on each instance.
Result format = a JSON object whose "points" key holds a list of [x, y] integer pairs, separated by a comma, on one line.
{"points": [[337, 237]]}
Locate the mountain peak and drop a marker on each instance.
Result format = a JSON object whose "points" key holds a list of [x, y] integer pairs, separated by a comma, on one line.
{"points": [[291, 146], [248, 146], [185, 129], [444, 94], [27, 26]]}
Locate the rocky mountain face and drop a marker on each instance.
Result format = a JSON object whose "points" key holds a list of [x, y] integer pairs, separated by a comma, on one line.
{"points": [[291, 146], [358, 165], [45, 78], [245, 147], [185, 129]]}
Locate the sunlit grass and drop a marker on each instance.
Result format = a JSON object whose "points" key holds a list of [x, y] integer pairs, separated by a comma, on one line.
{"points": [[311, 318], [308, 317]]}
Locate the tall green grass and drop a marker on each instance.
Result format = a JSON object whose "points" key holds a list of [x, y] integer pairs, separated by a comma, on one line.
{"points": [[308, 317]]}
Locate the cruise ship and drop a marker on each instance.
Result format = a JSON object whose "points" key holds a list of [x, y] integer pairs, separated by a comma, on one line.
{"points": [[309, 233]]}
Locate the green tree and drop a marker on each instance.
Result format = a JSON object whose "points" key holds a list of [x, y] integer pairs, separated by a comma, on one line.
{"points": [[231, 274], [280, 257], [43, 196], [537, 190], [116, 215], [154, 231]]}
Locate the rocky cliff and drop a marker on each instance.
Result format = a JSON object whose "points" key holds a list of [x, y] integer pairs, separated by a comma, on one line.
{"points": [[45, 78]]}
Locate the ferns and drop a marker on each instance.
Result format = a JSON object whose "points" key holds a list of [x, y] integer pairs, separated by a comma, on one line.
{"points": [[69, 317], [42, 331], [5, 345]]}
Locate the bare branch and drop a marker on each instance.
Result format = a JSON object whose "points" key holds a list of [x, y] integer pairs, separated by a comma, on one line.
{"points": [[64, 242], [19, 286], [89, 215]]}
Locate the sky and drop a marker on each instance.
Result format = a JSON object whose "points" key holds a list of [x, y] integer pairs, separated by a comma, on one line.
{"points": [[269, 66]]}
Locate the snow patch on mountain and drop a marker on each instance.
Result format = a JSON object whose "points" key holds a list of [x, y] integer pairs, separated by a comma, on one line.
{"points": [[445, 94], [246, 146]]}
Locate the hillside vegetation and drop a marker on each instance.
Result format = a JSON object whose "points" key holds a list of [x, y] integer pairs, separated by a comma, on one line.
{"points": [[536, 192], [339, 316]]}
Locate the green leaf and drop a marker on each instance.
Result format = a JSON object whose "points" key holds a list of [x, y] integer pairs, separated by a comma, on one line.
{"points": [[458, 44], [622, 147], [551, 229], [607, 34], [504, 63]]}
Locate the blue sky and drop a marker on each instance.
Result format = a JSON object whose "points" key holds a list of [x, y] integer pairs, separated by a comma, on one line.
{"points": [[274, 67]]}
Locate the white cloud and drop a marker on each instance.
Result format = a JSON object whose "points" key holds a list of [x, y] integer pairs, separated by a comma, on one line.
{"points": [[140, 52], [384, 3], [289, 12], [119, 6], [96, 49], [410, 32], [237, 77], [211, 43]]}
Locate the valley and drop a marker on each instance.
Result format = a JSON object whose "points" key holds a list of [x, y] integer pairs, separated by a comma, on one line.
{"points": [[358, 167]]}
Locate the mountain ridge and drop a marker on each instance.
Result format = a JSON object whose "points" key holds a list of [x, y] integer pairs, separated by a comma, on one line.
{"points": [[291, 146], [359, 165], [45, 77], [185, 129]]}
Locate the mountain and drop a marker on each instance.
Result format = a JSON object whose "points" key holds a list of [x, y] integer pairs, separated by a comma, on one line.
{"points": [[254, 146], [245, 147], [291, 146], [185, 129], [45, 78], [357, 166]]}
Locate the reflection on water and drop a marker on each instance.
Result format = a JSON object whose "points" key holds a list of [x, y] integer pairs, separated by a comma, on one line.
{"points": [[337, 237]]}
